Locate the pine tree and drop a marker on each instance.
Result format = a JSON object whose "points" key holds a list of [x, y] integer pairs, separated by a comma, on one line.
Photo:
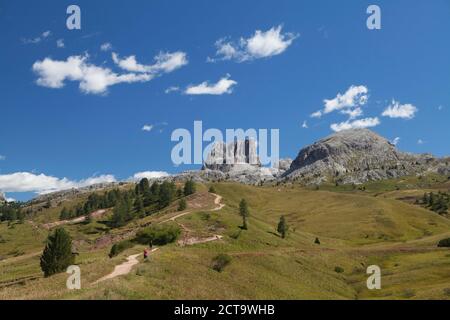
{"points": [[166, 194], [282, 227], [57, 255], [189, 187], [139, 206], [182, 205], [119, 214], [244, 213]]}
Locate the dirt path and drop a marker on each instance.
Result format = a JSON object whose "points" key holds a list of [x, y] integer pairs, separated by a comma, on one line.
{"points": [[22, 257], [124, 268], [127, 266], [189, 241], [95, 214], [217, 202], [193, 240]]}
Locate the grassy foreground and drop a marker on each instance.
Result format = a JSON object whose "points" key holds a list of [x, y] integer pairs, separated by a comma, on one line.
{"points": [[356, 229]]}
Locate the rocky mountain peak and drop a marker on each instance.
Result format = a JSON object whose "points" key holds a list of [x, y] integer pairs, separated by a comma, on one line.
{"points": [[226, 157], [352, 156]]}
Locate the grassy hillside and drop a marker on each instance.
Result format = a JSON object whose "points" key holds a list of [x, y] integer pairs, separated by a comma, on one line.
{"points": [[355, 229]]}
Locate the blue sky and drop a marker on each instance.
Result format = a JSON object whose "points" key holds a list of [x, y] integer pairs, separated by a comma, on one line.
{"points": [[78, 133]]}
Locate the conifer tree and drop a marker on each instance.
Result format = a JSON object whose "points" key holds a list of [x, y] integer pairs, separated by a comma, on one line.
{"points": [[57, 255], [244, 213], [282, 227]]}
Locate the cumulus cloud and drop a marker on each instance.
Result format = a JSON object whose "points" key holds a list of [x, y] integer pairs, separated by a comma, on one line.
{"points": [[305, 125], [262, 44], [147, 127], [37, 39], [149, 175], [224, 85], [355, 96], [41, 183], [106, 46], [92, 79], [316, 114], [60, 43], [356, 124], [165, 62], [348, 103], [420, 141], [397, 110], [353, 113]]}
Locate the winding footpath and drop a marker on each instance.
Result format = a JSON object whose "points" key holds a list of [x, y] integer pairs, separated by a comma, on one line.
{"points": [[124, 268], [127, 266]]}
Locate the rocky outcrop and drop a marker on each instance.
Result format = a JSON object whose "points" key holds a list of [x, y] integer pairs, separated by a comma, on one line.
{"points": [[354, 156], [238, 162], [226, 157]]}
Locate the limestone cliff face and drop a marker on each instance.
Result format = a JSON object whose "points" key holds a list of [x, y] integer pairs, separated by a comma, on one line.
{"points": [[227, 157], [354, 156]]}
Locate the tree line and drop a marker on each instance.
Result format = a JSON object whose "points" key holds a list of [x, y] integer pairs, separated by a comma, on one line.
{"points": [[11, 211], [437, 202], [140, 202]]}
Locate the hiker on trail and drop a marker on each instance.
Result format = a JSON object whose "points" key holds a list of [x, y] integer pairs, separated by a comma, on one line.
{"points": [[151, 245], [145, 254]]}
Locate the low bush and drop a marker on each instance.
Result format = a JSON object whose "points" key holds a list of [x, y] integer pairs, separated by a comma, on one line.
{"points": [[220, 262], [338, 269], [444, 243], [158, 234], [120, 247]]}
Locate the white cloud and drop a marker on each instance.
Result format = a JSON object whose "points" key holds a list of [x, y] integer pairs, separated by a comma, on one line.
{"points": [[357, 124], [355, 96], [38, 39], [397, 110], [396, 141], [2, 157], [92, 79], [106, 46], [420, 141], [316, 114], [60, 43], [150, 127], [10, 200], [353, 113], [147, 127], [149, 175], [224, 85], [41, 184], [172, 89], [349, 103], [164, 63], [262, 44], [305, 125], [440, 108]]}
